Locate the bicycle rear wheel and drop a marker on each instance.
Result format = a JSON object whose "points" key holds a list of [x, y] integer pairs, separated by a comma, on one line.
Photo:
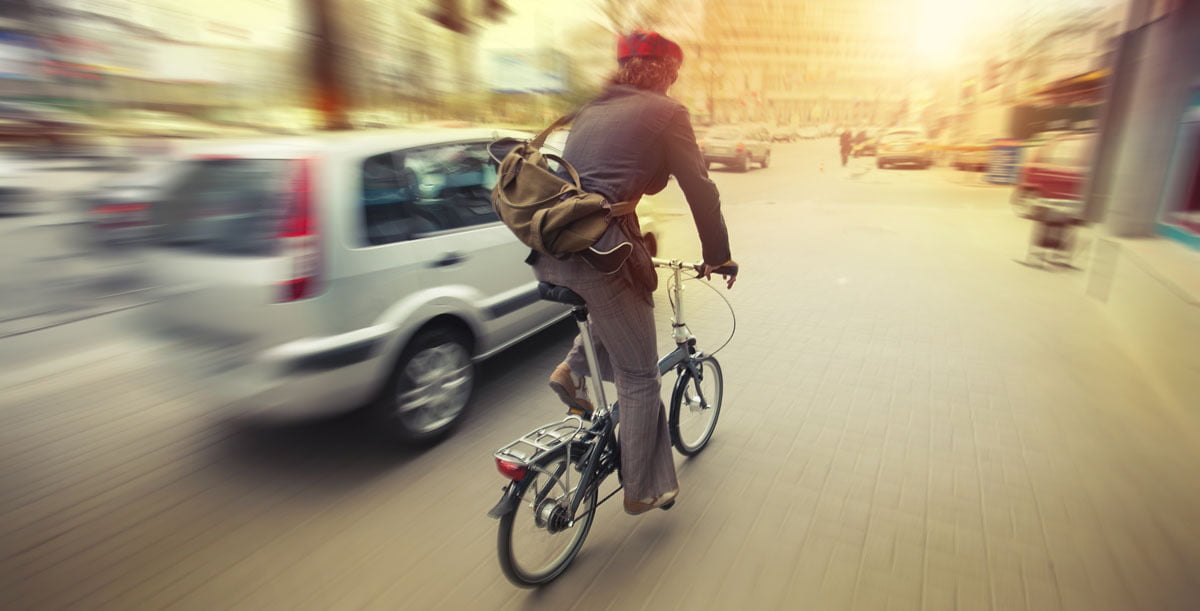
{"points": [[695, 406], [535, 543]]}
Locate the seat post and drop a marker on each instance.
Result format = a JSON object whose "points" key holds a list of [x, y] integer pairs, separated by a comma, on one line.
{"points": [[589, 352]]}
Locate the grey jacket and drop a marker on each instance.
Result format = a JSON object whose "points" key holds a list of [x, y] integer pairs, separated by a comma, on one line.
{"points": [[627, 141]]}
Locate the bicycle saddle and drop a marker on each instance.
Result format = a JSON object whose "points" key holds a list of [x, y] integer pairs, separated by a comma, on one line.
{"points": [[560, 294]]}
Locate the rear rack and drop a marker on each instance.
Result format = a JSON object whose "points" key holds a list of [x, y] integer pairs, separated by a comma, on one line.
{"points": [[540, 441]]}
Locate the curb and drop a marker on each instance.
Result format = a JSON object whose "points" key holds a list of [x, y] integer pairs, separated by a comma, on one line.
{"points": [[66, 319], [65, 344]]}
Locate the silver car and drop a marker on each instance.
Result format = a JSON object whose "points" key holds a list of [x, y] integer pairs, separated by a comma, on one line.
{"points": [[737, 146], [319, 274]]}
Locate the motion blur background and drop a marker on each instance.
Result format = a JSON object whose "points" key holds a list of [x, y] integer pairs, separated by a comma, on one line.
{"points": [[1060, 134]]}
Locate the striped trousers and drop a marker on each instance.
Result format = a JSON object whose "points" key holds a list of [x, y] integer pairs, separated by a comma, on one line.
{"points": [[622, 323]]}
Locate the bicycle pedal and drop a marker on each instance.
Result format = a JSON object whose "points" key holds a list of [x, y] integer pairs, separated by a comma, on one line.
{"points": [[585, 415]]}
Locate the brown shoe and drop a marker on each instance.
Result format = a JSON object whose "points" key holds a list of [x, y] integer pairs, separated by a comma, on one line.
{"points": [[562, 384], [664, 502]]}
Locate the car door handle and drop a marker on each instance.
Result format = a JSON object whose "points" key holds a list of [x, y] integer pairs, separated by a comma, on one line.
{"points": [[450, 258]]}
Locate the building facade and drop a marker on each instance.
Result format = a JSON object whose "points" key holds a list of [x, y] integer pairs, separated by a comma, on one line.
{"points": [[1144, 194], [803, 63]]}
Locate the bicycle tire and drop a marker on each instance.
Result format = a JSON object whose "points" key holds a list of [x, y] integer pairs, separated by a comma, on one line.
{"points": [[524, 515], [688, 439]]}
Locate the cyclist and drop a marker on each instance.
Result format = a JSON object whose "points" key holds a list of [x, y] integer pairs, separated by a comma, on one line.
{"points": [[624, 144]]}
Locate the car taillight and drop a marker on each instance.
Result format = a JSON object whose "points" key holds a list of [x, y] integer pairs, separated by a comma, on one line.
{"points": [[511, 470], [299, 238], [741, 147], [121, 208], [701, 143]]}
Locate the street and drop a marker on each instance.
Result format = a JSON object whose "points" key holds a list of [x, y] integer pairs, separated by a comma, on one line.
{"points": [[912, 420]]}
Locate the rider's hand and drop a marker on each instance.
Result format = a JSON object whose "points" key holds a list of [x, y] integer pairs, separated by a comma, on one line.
{"points": [[729, 278]]}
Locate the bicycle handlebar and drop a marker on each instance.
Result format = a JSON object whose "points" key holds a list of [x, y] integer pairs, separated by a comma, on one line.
{"points": [[725, 270]]}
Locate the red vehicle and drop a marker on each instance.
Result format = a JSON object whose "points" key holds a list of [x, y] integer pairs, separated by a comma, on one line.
{"points": [[1054, 175]]}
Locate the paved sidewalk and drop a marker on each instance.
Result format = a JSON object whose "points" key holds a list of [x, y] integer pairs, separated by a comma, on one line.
{"points": [[919, 422], [912, 421]]}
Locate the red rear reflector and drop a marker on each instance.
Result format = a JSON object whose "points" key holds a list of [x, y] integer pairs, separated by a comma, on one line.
{"points": [[511, 470], [297, 288]]}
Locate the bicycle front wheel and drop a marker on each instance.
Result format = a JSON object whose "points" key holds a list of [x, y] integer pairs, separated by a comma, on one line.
{"points": [[536, 541], [695, 406]]}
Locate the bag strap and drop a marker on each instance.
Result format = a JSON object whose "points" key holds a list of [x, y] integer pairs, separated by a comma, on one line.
{"points": [[615, 209], [623, 208], [570, 169], [540, 139]]}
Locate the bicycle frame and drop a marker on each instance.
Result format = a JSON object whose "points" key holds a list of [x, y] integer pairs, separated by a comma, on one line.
{"points": [[684, 355], [603, 426], [685, 352], [588, 445]]}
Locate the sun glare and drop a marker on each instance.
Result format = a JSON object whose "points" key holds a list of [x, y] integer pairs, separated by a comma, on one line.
{"points": [[941, 30]]}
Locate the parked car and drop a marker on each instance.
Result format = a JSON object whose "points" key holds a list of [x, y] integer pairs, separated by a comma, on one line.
{"points": [[119, 209], [783, 133], [903, 145], [737, 146], [972, 155], [319, 274], [1054, 175]]}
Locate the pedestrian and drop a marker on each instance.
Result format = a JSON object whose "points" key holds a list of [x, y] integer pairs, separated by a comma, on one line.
{"points": [[845, 145], [860, 139], [626, 143]]}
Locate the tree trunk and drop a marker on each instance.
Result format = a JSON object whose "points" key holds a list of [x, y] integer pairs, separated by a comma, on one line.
{"points": [[326, 56]]}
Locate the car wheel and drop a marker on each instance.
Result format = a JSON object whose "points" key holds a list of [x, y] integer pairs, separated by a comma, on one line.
{"points": [[428, 391], [1023, 202], [651, 243], [766, 160], [744, 163]]}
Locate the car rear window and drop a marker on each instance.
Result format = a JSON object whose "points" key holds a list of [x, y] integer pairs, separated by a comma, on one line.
{"points": [[725, 133], [225, 206]]}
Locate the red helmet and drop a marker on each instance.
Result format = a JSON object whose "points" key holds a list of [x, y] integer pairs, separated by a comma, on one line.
{"points": [[640, 43]]}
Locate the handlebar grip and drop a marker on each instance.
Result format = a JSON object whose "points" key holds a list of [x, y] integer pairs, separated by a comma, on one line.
{"points": [[727, 270]]}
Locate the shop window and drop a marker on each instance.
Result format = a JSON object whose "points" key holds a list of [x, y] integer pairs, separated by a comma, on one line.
{"points": [[1185, 214], [1180, 218]]}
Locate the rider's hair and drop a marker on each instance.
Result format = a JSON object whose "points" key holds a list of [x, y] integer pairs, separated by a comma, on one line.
{"points": [[653, 73]]}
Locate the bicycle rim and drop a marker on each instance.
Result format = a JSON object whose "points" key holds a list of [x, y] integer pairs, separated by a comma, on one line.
{"points": [[531, 551], [695, 407]]}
